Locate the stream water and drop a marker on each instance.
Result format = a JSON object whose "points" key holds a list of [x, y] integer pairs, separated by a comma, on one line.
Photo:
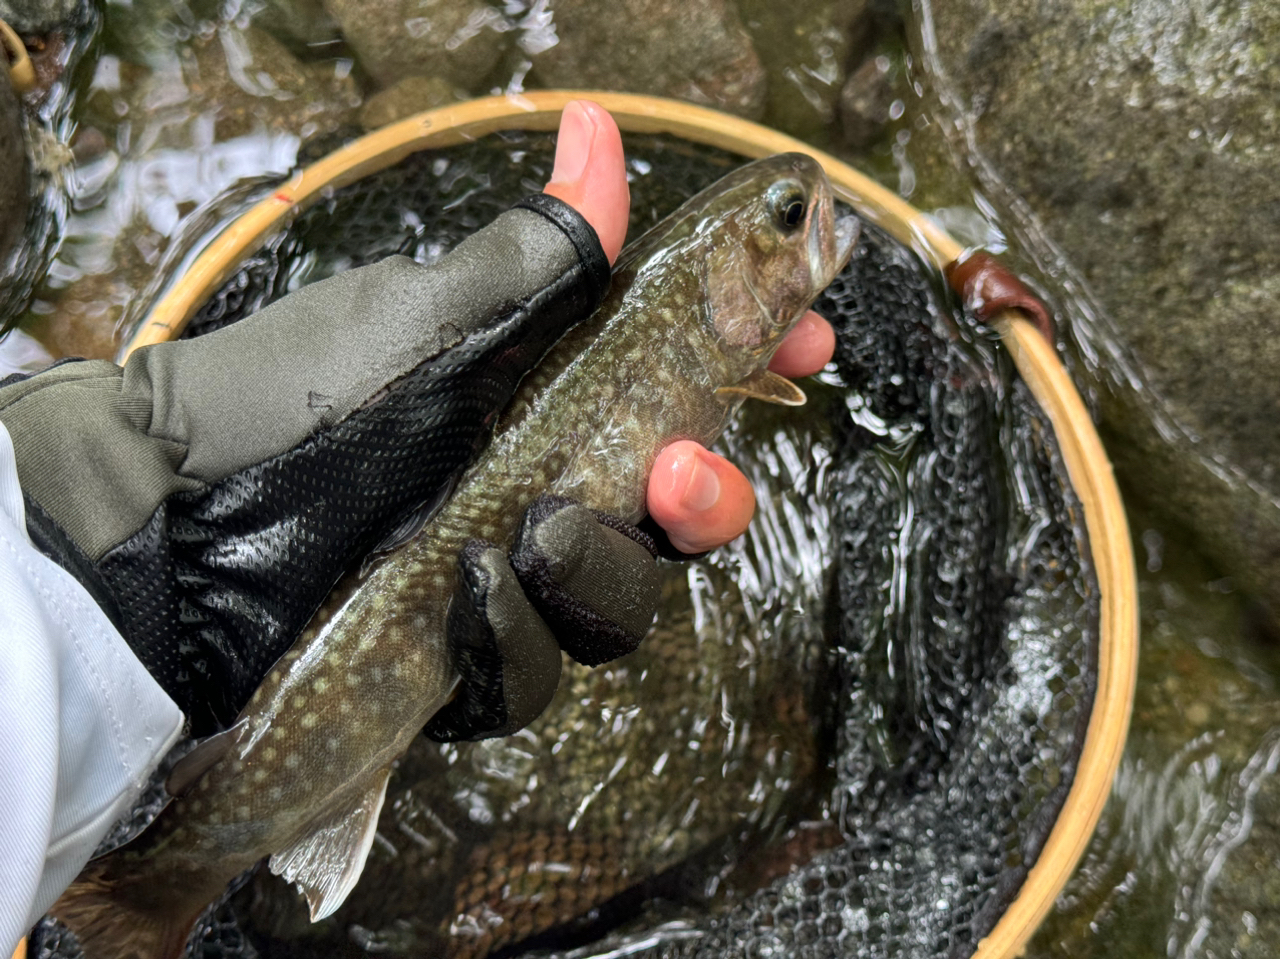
{"points": [[179, 115]]}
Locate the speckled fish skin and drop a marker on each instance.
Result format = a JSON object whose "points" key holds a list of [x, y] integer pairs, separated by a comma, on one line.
{"points": [[698, 304]]}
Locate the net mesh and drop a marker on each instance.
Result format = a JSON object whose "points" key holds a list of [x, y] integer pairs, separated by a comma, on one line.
{"points": [[852, 729]]}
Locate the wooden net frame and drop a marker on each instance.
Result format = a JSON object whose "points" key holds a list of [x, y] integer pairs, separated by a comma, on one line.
{"points": [[1036, 360]]}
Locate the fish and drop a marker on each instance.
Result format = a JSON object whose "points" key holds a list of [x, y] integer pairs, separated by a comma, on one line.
{"points": [[697, 308]]}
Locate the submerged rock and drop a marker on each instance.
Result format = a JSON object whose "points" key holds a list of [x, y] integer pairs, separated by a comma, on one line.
{"points": [[1145, 138], [299, 23], [411, 95], [805, 47], [14, 171], [460, 41], [44, 16], [230, 105], [694, 50]]}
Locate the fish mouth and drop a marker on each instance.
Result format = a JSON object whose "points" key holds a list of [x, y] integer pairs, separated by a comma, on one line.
{"points": [[831, 238], [848, 228]]}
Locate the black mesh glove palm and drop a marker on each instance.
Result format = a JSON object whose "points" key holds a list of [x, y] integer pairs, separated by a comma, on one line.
{"points": [[211, 492]]}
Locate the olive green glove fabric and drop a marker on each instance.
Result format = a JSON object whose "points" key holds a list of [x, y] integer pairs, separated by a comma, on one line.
{"points": [[211, 492]]}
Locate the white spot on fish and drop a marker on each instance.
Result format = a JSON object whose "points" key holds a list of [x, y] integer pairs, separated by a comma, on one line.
{"points": [[320, 684], [291, 761], [309, 720]]}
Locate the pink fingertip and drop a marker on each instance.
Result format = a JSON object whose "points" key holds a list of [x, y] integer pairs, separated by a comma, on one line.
{"points": [[590, 172], [807, 348]]}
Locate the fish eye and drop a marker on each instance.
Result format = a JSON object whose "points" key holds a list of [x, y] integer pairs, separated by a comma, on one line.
{"points": [[788, 203]]}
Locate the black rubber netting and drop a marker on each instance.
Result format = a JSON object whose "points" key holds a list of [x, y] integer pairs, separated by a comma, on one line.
{"points": [[850, 733]]}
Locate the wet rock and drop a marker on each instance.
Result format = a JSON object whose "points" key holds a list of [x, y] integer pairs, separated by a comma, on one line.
{"points": [[13, 171], [695, 50], [230, 104], [1145, 138], [248, 80], [804, 46], [867, 102], [44, 16], [411, 95], [298, 23], [460, 41]]}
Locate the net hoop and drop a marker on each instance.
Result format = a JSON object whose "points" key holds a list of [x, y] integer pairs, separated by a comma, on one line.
{"points": [[1036, 361]]}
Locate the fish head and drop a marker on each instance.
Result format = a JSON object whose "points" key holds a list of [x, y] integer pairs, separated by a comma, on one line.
{"points": [[776, 244]]}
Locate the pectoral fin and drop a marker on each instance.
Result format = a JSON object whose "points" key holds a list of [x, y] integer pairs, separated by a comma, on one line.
{"points": [[188, 770], [327, 863], [768, 386]]}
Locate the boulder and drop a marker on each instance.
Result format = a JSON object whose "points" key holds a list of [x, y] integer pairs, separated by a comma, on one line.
{"points": [[696, 50], [44, 16], [14, 171], [407, 97], [459, 41], [805, 47], [1142, 139]]}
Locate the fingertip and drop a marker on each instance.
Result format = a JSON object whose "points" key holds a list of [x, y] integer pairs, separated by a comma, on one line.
{"points": [[806, 349], [590, 172], [700, 499]]}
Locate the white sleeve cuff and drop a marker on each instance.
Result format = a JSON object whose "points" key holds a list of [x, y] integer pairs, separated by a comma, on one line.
{"points": [[82, 723]]}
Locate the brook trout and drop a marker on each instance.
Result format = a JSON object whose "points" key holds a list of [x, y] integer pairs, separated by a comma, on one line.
{"points": [[698, 306]]}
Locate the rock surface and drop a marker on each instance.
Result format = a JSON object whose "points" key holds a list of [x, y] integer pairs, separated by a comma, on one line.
{"points": [[694, 50], [411, 95], [231, 103], [1144, 136], [460, 41], [805, 47], [14, 172], [43, 16], [299, 23]]}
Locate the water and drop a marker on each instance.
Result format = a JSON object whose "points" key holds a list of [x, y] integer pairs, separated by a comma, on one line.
{"points": [[140, 157]]}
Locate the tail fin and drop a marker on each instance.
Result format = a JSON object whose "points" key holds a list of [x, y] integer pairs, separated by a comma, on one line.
{"points": [[126, 916]]}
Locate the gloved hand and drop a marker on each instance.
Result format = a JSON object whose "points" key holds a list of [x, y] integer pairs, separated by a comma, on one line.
{"points": [[209, 494], [576, 580]]}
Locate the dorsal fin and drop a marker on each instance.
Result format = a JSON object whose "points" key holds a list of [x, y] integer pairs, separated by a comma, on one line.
{"points": [[187, 771], [326, 863], [767, 386]]}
